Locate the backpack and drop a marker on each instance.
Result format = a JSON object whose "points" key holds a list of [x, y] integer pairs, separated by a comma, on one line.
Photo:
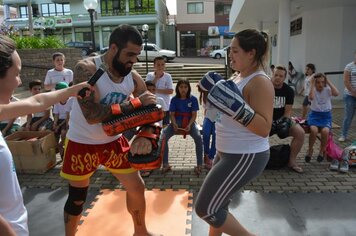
{"points": [[279, 157], [349, 154]]}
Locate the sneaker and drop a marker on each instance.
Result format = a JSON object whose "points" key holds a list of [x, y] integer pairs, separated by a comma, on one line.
{"points": [[320, 158], [344, 167], [342, 139], [334, 165], [307, 159]]}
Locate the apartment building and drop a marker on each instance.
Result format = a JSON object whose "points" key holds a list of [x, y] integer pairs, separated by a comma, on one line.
{"points": [[202, 26], [303, 31], [70, 21]]}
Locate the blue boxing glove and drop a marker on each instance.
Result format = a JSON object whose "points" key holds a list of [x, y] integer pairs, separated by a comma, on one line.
{"points": [[209, 80], [226, 96]]}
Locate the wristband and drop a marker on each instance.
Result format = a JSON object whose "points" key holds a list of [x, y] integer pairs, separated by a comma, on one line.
{"points": [[136, 103], [116, 109]]}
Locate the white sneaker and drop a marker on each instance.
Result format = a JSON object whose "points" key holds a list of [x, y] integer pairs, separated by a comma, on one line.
{"points": [[342, 139], [344, 167], [334, 165]]}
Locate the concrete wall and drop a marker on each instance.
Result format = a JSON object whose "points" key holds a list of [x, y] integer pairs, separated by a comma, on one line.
{"points": [[36, 62], [207, 17]]}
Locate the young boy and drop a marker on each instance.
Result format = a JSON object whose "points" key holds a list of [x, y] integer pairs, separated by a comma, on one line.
{"points": [[38, 121], [58, 73], [8, 127], [163, 82], [152, 88], [61, 117]]}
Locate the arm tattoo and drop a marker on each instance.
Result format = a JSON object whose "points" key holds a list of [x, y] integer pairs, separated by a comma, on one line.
{"points": [[81, 73], [92, 111]]}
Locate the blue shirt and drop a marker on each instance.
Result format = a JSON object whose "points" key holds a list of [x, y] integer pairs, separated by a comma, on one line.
{"points": [[187, 105]]}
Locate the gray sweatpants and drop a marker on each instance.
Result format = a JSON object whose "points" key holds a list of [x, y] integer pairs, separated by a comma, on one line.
{"points": [[230, 172]]}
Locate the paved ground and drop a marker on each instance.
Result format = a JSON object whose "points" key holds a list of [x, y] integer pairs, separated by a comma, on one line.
{"points": [[316, 178]]}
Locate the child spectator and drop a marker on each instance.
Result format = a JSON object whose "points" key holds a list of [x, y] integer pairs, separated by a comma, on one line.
{"points": [[309, 73], [152, 88], [38, 121], [163, 82], [183, 112], [8, 127], [58, 73], [61, 117], [319, 118], [208, 80]]}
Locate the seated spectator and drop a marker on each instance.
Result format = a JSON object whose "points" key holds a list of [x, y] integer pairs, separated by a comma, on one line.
{"points": [[183, 112], [38, 121], [8, 127], [319, 118], [282, 124], [61, 112]]}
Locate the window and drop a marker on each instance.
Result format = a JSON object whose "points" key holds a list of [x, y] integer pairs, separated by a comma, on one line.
{"points": [[55, 9], [296, 27], [195, 8], [23, 12]]}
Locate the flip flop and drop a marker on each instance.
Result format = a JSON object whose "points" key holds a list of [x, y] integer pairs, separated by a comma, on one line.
{"points": [[296, 169], [145, 173], [166, 169]]}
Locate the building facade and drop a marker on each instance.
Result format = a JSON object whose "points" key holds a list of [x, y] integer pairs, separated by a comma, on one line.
{"points": [[303, 31], [202, 26], [70, 21]]}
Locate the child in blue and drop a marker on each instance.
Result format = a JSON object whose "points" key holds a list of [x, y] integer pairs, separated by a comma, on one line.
{"points": [[183, 113]]}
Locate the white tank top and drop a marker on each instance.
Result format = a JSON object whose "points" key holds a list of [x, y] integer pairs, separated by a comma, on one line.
{"points": [[233, 137], [79, 129]]}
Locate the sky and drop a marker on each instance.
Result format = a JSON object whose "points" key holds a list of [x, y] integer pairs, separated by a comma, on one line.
{"points": [[172, 6]]}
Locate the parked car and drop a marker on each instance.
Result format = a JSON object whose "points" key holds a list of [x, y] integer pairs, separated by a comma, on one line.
{"points": [[86, 47], [152, 51], [219, 53]]}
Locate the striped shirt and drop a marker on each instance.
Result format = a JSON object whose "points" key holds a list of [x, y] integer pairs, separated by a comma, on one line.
{"points": [[351, 67]]}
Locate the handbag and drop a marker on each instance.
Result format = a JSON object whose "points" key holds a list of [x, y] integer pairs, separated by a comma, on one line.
{"points": [[332, 149]]}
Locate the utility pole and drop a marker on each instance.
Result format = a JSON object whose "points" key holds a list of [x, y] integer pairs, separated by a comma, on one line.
{"points": [[29, 13]]}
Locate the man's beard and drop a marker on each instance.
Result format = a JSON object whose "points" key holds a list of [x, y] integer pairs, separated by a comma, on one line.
{"points": [[119, 66]]}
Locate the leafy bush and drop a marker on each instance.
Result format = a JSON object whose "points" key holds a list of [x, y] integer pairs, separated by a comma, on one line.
{"points": [[36, 43]]}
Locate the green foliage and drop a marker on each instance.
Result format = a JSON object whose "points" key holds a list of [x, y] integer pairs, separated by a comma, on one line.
{"points": [[36, 43]]}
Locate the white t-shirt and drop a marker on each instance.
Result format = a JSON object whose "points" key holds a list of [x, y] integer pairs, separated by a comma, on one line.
{"points": [[161, 102], [322, 100], [62, 109], [54, 76], [307, 82], [12, 207], [165, 82]]}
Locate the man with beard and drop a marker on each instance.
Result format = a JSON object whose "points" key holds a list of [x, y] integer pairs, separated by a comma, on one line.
{"points": [[87, 146]]}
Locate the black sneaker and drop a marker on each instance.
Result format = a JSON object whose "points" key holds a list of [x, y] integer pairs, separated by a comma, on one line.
{"points": [[319, 158], [307, 158]]}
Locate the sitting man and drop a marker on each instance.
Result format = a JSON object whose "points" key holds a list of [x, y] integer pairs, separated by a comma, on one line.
{"points": [[282, 124]]}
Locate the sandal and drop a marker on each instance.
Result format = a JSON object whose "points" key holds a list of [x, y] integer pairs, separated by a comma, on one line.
{"points": [[166, 169], [145, 173], [198, 170], [296, 169]]}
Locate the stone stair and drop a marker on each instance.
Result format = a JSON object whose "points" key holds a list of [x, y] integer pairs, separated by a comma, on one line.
{"points": [[194, 72]]}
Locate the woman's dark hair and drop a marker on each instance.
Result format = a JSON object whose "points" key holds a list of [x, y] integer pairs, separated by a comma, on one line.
{"points": [[7, 48], [124, 34], [250, 39], [183, 81], [311, 66], [321, 75], [202, 96]]}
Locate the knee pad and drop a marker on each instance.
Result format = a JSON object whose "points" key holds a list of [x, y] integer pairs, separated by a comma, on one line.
{"points": [[75, 194]]}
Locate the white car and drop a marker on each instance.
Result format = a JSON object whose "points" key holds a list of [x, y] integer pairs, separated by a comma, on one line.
{"points": [[154, 51], [219, 53]]}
